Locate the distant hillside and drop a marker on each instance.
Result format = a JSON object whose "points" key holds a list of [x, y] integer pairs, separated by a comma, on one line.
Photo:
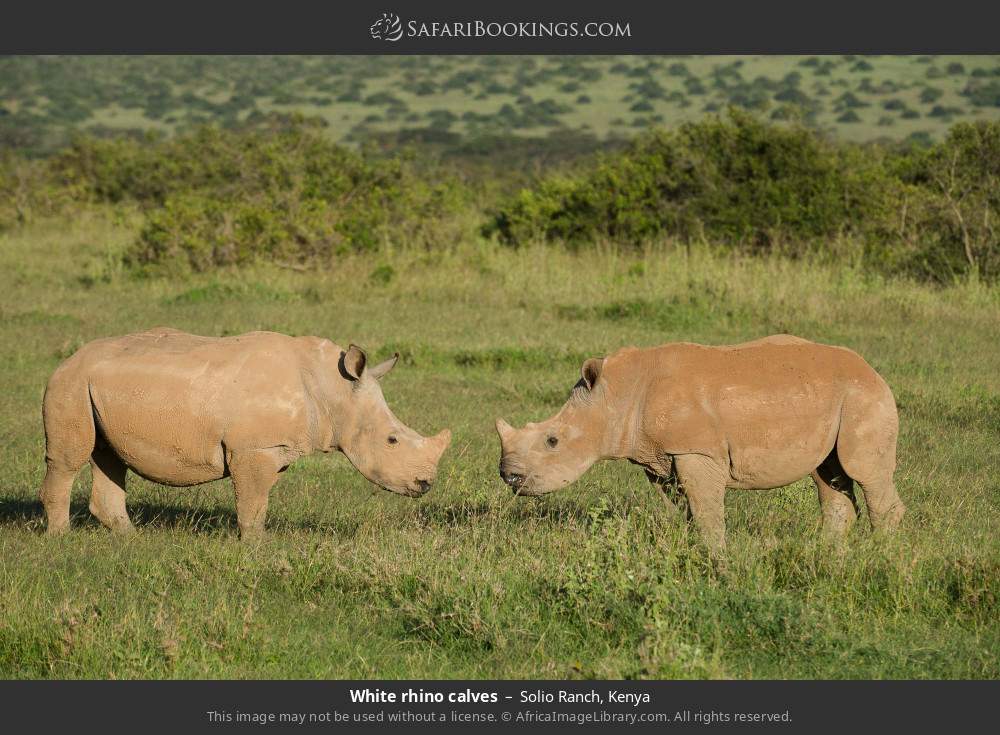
{"points": [[451, 100]]}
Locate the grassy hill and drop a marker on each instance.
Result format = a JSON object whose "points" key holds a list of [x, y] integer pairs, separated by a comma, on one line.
{"points": [[44, 100]]}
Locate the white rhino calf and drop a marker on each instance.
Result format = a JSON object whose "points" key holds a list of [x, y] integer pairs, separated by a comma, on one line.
{"points": [[181, 410], [757, 415]]}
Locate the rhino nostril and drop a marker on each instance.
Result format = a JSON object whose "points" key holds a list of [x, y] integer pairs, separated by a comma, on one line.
{"points": [[424, 485]]}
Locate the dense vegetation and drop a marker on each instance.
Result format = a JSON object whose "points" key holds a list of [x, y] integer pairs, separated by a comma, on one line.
{"points": [[281, 190], [299, 159], [278, 190], [740, 183]]}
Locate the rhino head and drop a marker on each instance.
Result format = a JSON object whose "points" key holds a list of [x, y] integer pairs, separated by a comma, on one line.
{"points": [[546, 456], [379, 445]]}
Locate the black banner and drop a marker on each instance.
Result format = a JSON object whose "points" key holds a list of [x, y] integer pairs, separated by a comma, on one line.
{"points": [[227, 706], [514, 26]]}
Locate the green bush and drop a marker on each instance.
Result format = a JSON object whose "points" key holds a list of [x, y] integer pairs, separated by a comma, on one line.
{"points": [[27, 191], [278, 189], [951, 225], [932, 212], [733, 180], [285, 192]]}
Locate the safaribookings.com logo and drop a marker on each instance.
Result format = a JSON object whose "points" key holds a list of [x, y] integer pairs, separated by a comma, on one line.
{"points": [[387, 28], [390, 28]]}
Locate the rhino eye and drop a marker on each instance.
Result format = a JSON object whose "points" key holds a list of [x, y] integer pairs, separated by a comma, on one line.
{"points": [[552, 441], [393, 439]]}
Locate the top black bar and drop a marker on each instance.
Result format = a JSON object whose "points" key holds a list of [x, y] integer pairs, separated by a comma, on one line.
{"points": [[510, 26]]}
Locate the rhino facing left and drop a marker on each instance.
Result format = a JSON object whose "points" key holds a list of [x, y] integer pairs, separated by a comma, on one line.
{"points": [[180, 409]]}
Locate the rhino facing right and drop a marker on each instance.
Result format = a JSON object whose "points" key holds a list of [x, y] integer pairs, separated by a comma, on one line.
{"points": [[757, 415], [181, 409]]}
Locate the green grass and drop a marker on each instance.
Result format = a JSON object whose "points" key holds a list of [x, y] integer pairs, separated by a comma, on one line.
{"points": [[595, 580]]}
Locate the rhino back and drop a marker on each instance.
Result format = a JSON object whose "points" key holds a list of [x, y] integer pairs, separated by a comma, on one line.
{"points": [[770, 408], [773, 369], [171, 404]]}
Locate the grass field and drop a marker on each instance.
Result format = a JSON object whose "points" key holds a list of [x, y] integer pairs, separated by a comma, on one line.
{"points": [[597, 580]]}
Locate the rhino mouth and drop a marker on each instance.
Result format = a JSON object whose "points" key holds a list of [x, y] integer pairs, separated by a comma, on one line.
{"points": [[417, 489], [516, 479]]}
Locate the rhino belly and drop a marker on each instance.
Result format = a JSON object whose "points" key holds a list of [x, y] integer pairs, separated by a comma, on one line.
{"points": [[763, 468], [168, 437], [171, 463], [778, 447]]}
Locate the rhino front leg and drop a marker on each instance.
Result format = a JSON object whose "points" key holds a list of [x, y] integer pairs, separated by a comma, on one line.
{"points": [[254, 473], [703, 483], [673, 500]]}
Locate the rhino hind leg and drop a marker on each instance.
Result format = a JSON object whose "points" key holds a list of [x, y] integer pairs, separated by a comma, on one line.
{"points": [[866, 448], [55, 495], [254, 473], [703, 483], [836, 497], [107, 494], [885, 507], [68, 417]]}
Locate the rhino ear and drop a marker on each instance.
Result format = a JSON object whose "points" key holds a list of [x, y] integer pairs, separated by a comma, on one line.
{"points": [[383, 367], [591, 371], [353, 362]]}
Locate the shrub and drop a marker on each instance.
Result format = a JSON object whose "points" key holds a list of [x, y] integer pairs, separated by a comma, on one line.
{"points": [[932, 212], [220, 197], [734, 180], [930, 95], [694, 86], [955, 223], [983, 94], [27, 191]]}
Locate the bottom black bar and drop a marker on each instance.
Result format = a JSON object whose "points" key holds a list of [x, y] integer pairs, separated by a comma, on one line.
{"points": [[287, 706]]}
